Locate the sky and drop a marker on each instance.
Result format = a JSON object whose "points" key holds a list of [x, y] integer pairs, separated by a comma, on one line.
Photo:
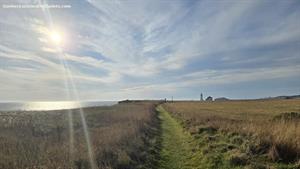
{"points": [[148, 49]]}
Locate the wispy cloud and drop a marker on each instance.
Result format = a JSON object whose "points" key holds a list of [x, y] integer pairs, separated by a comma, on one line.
{"points": [[135, 49]]}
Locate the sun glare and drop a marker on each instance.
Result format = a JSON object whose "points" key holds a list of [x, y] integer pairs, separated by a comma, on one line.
{"points": [[56, 37]]}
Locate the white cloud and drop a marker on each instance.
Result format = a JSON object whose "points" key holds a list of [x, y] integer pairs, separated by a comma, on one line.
{"points": [[84, 60], [235, 76]]}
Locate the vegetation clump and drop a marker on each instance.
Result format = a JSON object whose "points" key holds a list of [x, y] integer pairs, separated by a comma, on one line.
{"points": [[238, 159], [288, 116], [207, 129]]}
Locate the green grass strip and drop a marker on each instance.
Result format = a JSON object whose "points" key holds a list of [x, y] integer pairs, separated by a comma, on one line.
{"points": [[177, 145]]}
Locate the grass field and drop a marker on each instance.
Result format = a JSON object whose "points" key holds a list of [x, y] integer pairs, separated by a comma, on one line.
{"points": [[119, 134], [255, 134]]}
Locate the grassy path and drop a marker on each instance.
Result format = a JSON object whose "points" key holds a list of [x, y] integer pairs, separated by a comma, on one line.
{"points": [[177, 145]]}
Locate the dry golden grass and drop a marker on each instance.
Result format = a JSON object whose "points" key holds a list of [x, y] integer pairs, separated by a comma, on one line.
{"points": [[274, 133], [40, 140]]}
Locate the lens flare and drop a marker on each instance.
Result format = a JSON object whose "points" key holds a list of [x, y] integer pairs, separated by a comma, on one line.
{"points": [[58, 39]]}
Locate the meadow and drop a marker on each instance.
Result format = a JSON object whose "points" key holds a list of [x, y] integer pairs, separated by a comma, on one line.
{"points": [[249, 133], [120, 135]]}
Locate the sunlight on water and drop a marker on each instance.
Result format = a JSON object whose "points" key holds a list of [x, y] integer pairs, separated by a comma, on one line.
{"points": [[59, 105], [50, 105]]}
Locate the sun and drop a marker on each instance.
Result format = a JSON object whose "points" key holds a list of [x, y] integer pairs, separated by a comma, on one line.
{"points": [[56, 37]]}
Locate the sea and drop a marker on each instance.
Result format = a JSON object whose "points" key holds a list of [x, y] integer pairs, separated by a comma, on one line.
{"points": [[51, 105]]}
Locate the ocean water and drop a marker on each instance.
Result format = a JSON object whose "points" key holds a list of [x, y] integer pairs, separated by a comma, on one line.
{"points": [[59, 105]]}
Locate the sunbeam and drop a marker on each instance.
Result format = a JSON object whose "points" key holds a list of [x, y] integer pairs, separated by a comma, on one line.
{"points": [[57, 39], [70, 113], [81, 112]]}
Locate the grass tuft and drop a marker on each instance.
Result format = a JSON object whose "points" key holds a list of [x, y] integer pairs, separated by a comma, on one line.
{"points": [[238, 159]]}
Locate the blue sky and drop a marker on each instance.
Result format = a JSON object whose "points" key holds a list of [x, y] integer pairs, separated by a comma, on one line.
{"points": [[148, 49]]}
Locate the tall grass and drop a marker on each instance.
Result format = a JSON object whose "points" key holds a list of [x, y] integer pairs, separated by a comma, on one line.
{"points": [[40, 139], [269, 124]]}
